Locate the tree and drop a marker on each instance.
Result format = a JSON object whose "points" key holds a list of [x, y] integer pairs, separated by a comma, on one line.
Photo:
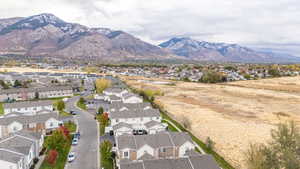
{"points": [[17, 83], [212, 77], [102, 84], [274, 72], [283, 152], [210, 144], [81, 100], [56, 141], [36, 95], [100, 110], [3, 84], [51, 157], [186, 122], [60, 105], [106, 155], [65, 132]]}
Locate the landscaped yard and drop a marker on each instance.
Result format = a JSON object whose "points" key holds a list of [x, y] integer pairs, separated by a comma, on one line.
{"points": [[70, 126], [1, 109], [81, 105], [61, 160]]}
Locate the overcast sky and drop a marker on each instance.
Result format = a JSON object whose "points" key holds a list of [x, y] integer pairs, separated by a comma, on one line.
{"points": [[268, 24]]}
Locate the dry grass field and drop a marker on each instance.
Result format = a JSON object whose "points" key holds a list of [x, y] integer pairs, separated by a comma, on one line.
{"points": [[233, 114]]}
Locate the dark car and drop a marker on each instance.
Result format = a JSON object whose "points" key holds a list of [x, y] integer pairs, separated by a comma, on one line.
{"points": [[73, 112]]}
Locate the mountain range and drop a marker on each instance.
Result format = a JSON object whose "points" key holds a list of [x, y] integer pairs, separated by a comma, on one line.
{"points": [[46, 35]]}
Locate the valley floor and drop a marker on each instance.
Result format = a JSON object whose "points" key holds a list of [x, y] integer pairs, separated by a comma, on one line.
{"points": [[233, 114]]}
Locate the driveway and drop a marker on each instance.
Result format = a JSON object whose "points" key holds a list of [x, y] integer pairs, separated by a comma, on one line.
{"points": [[87, 150]]}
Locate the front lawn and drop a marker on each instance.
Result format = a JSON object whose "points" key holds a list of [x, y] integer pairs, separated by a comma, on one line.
{"points": [[1, 109], [61, 159], [81, 105], [70, 126], [170, 126]]}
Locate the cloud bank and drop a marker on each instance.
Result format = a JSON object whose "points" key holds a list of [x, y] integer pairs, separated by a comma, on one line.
{"points": [[264, 24]]}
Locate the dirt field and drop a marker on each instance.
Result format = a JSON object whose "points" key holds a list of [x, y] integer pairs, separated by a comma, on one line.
{"points": [[234, 114]]}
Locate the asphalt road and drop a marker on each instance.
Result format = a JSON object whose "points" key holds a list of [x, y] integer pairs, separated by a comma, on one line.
{"points": [[87, 150]]}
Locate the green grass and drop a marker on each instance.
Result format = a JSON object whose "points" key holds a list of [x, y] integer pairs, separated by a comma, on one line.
{"points": [[1, 109], [70, 126], [170, 126], [81, 105], [63, 113], [60, 162]]}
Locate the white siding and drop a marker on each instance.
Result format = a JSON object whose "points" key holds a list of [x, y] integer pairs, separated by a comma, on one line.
{"points": [[186, 146], [143, 150], [8, 165]]}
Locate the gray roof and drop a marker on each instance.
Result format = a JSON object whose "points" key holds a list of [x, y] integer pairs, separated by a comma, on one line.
{"points": [[42, 89], [130, 106], [114, 90], [54, 88], [161, 139], [19, 90], [27, 119], [27, 104], [113, 97], [195, 162], [152, 123], [17, 144], [29, 134], [120, 125], [128, 95], [10, 156], [135, 113]]}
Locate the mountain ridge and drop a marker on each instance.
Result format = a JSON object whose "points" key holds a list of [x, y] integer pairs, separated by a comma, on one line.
{"points": [[47, 35], [209, 51]]}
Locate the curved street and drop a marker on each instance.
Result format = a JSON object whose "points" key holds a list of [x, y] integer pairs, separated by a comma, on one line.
{"points": [[87, 150]]}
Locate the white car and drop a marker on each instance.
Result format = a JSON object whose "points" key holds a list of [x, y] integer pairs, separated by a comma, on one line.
{"points": [[75, 141], [71, 157]]}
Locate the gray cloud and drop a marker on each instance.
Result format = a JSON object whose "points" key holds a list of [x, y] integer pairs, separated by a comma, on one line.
{"points": [[256, 23]]}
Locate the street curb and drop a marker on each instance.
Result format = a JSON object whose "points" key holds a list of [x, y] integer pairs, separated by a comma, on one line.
{"points": [[98, 147]]}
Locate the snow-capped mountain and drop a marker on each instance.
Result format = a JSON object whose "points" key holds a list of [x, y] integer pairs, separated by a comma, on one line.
{"points": [[207, 51], [48, 35]]}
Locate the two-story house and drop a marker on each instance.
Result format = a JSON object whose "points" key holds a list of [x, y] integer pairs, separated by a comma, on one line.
{"points": [[199, 161], [28, 107], [157, 146], [18, 150], [41, 122]]}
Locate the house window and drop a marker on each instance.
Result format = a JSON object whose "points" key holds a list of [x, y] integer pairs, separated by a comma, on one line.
{"points": [[162, 150], [15, 128], [51, 124], [117, 120], [126, 154]]}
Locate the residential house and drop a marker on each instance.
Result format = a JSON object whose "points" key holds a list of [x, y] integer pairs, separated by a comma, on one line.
{"points": [[115, 91], [17, 151], [41, 122], [131, 98], [28, 107], [17, 94], [120, 106], [138, 116], [190, 162], [55, 91], [157, 146]]}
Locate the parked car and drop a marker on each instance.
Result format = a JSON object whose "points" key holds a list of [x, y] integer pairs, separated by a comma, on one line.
{"points": [[139, 132], [71, 157], [77, 135], [73, 112], [75, 141]]}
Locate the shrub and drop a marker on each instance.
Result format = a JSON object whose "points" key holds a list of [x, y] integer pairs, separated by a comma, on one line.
{"points": [[51, 157], [60, 105]]}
